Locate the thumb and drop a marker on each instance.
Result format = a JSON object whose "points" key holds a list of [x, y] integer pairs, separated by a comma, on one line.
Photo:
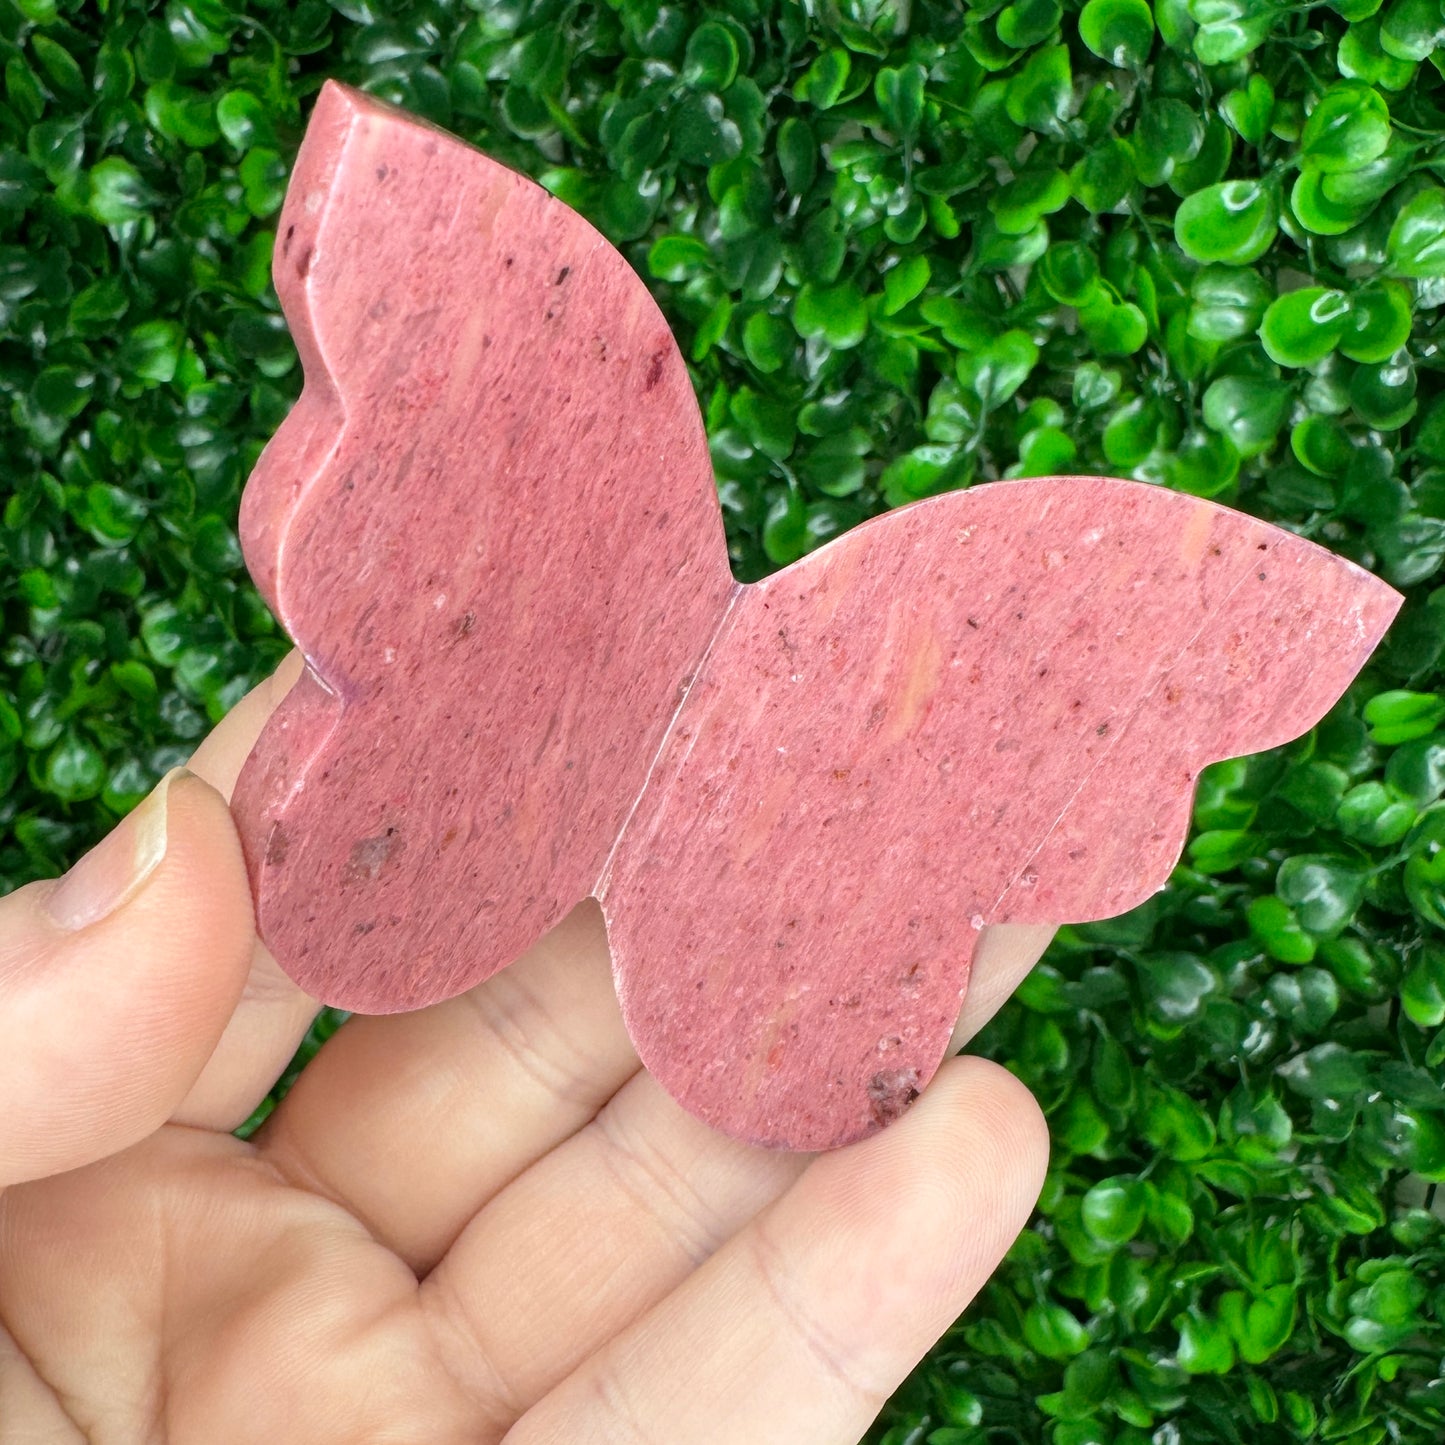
{"points": [[117, 979]]}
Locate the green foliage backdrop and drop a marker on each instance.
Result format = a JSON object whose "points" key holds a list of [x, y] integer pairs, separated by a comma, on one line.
{"points": [[904, 248]]}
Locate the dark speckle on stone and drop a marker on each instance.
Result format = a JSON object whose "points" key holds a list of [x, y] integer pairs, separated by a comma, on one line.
{"points": [[563, 274], [1263, 575], [654, 368], [382, 173], [277, 845], [890, 1092], [303, 262]]}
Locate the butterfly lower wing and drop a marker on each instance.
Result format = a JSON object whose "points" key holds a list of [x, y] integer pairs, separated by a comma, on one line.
{"points": [[1266, 666], [490, 523], [921, 728]]}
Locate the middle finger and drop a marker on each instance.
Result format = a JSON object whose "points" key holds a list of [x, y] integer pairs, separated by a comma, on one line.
{"points": [[415, 1121]]}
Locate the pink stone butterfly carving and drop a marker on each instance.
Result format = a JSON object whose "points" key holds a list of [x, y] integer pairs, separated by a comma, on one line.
{"points": [[490, 522]]}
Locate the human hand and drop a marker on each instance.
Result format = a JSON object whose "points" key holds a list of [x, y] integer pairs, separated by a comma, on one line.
{"points": [[476, 1221]]}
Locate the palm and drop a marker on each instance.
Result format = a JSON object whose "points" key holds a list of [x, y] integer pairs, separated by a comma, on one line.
{"points": [[183, 1221], [481, 1220]]}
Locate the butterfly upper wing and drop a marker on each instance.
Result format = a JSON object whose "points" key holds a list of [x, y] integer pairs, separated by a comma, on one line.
{"points": [[1265, 667], [490, 523], [991, 705]]}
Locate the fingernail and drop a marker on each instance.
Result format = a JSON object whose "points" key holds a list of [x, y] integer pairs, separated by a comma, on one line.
{"points": [[116, 869]]}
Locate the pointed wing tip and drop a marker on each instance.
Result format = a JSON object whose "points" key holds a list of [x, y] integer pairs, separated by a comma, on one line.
{"points": [[336, 97], [339, 104], [1380, 606]]}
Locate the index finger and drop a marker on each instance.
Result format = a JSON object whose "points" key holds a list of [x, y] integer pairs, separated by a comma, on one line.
{"points": [[273, 1013]]}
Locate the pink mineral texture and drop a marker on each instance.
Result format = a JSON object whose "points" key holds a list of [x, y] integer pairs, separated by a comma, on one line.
{"points": [[490, 523]]}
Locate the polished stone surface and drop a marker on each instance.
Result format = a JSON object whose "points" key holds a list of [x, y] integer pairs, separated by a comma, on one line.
{"points": [[490, 523]]}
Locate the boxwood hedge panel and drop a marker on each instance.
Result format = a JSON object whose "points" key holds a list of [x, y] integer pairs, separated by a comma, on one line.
{"points": [[905, 247]]}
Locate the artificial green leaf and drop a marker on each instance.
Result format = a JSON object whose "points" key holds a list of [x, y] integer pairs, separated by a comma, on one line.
{"points": [[1422, 990], [838, 314], [823, 83], [1036, 192], [1101, 179], [1039, 96], [1303, 327], [768, 341], [1054, 1332], [1361, 57], [1233, 222], [1277, 926], [1383, 396], [1113, 1210], [244, 119], [900, 95], [1227, 30], [784, 531], [1023, 23], [182, 114], [1381, 317], [997, 369], [1317, 211], [1411, 29], [1119, 31], [1348, 128], [117, 193], [1113, 328], [152, 351], [1248, 410], [1070, 273], [263, 177], [1249, 109], [1322, 445], [1205, 1346], [1227, 303], [711, 60], [1324, 891], [1399, 715], [905, 282], [1416, 244]]}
